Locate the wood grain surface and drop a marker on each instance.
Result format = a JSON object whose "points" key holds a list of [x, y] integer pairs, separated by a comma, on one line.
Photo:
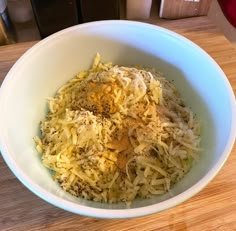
{"points": [[183, 8], [214, 208]]}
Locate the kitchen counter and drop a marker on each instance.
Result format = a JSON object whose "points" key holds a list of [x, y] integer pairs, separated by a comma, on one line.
{"points": [[214, 208]]}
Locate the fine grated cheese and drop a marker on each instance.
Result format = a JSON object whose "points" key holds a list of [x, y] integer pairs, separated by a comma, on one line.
{"points": [[114, 133]]}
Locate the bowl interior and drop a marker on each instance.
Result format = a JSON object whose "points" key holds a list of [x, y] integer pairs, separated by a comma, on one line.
{"points": [[55, 60]]}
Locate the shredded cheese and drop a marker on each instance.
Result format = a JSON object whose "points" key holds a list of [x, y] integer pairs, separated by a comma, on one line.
{"points": [[114, 133]]}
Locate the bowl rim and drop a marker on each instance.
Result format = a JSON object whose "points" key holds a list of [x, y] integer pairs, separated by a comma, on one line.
{"points": [[115, 213]]}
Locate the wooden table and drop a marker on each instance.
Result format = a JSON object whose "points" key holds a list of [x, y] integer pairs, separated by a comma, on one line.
{"points": [[214, 208]]}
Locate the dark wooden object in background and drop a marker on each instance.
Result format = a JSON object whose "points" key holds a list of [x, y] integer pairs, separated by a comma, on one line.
{"points": [[54, 15], [93, 10]]}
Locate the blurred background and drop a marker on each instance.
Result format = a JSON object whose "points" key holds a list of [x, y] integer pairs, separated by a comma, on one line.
{"points": [[29, 20]]}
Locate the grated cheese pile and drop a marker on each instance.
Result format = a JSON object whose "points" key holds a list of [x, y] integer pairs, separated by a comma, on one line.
{"points": [[114, 133]]}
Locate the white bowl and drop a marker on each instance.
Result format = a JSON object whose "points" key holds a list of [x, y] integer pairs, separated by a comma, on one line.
{"points": [[56, 59]]}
